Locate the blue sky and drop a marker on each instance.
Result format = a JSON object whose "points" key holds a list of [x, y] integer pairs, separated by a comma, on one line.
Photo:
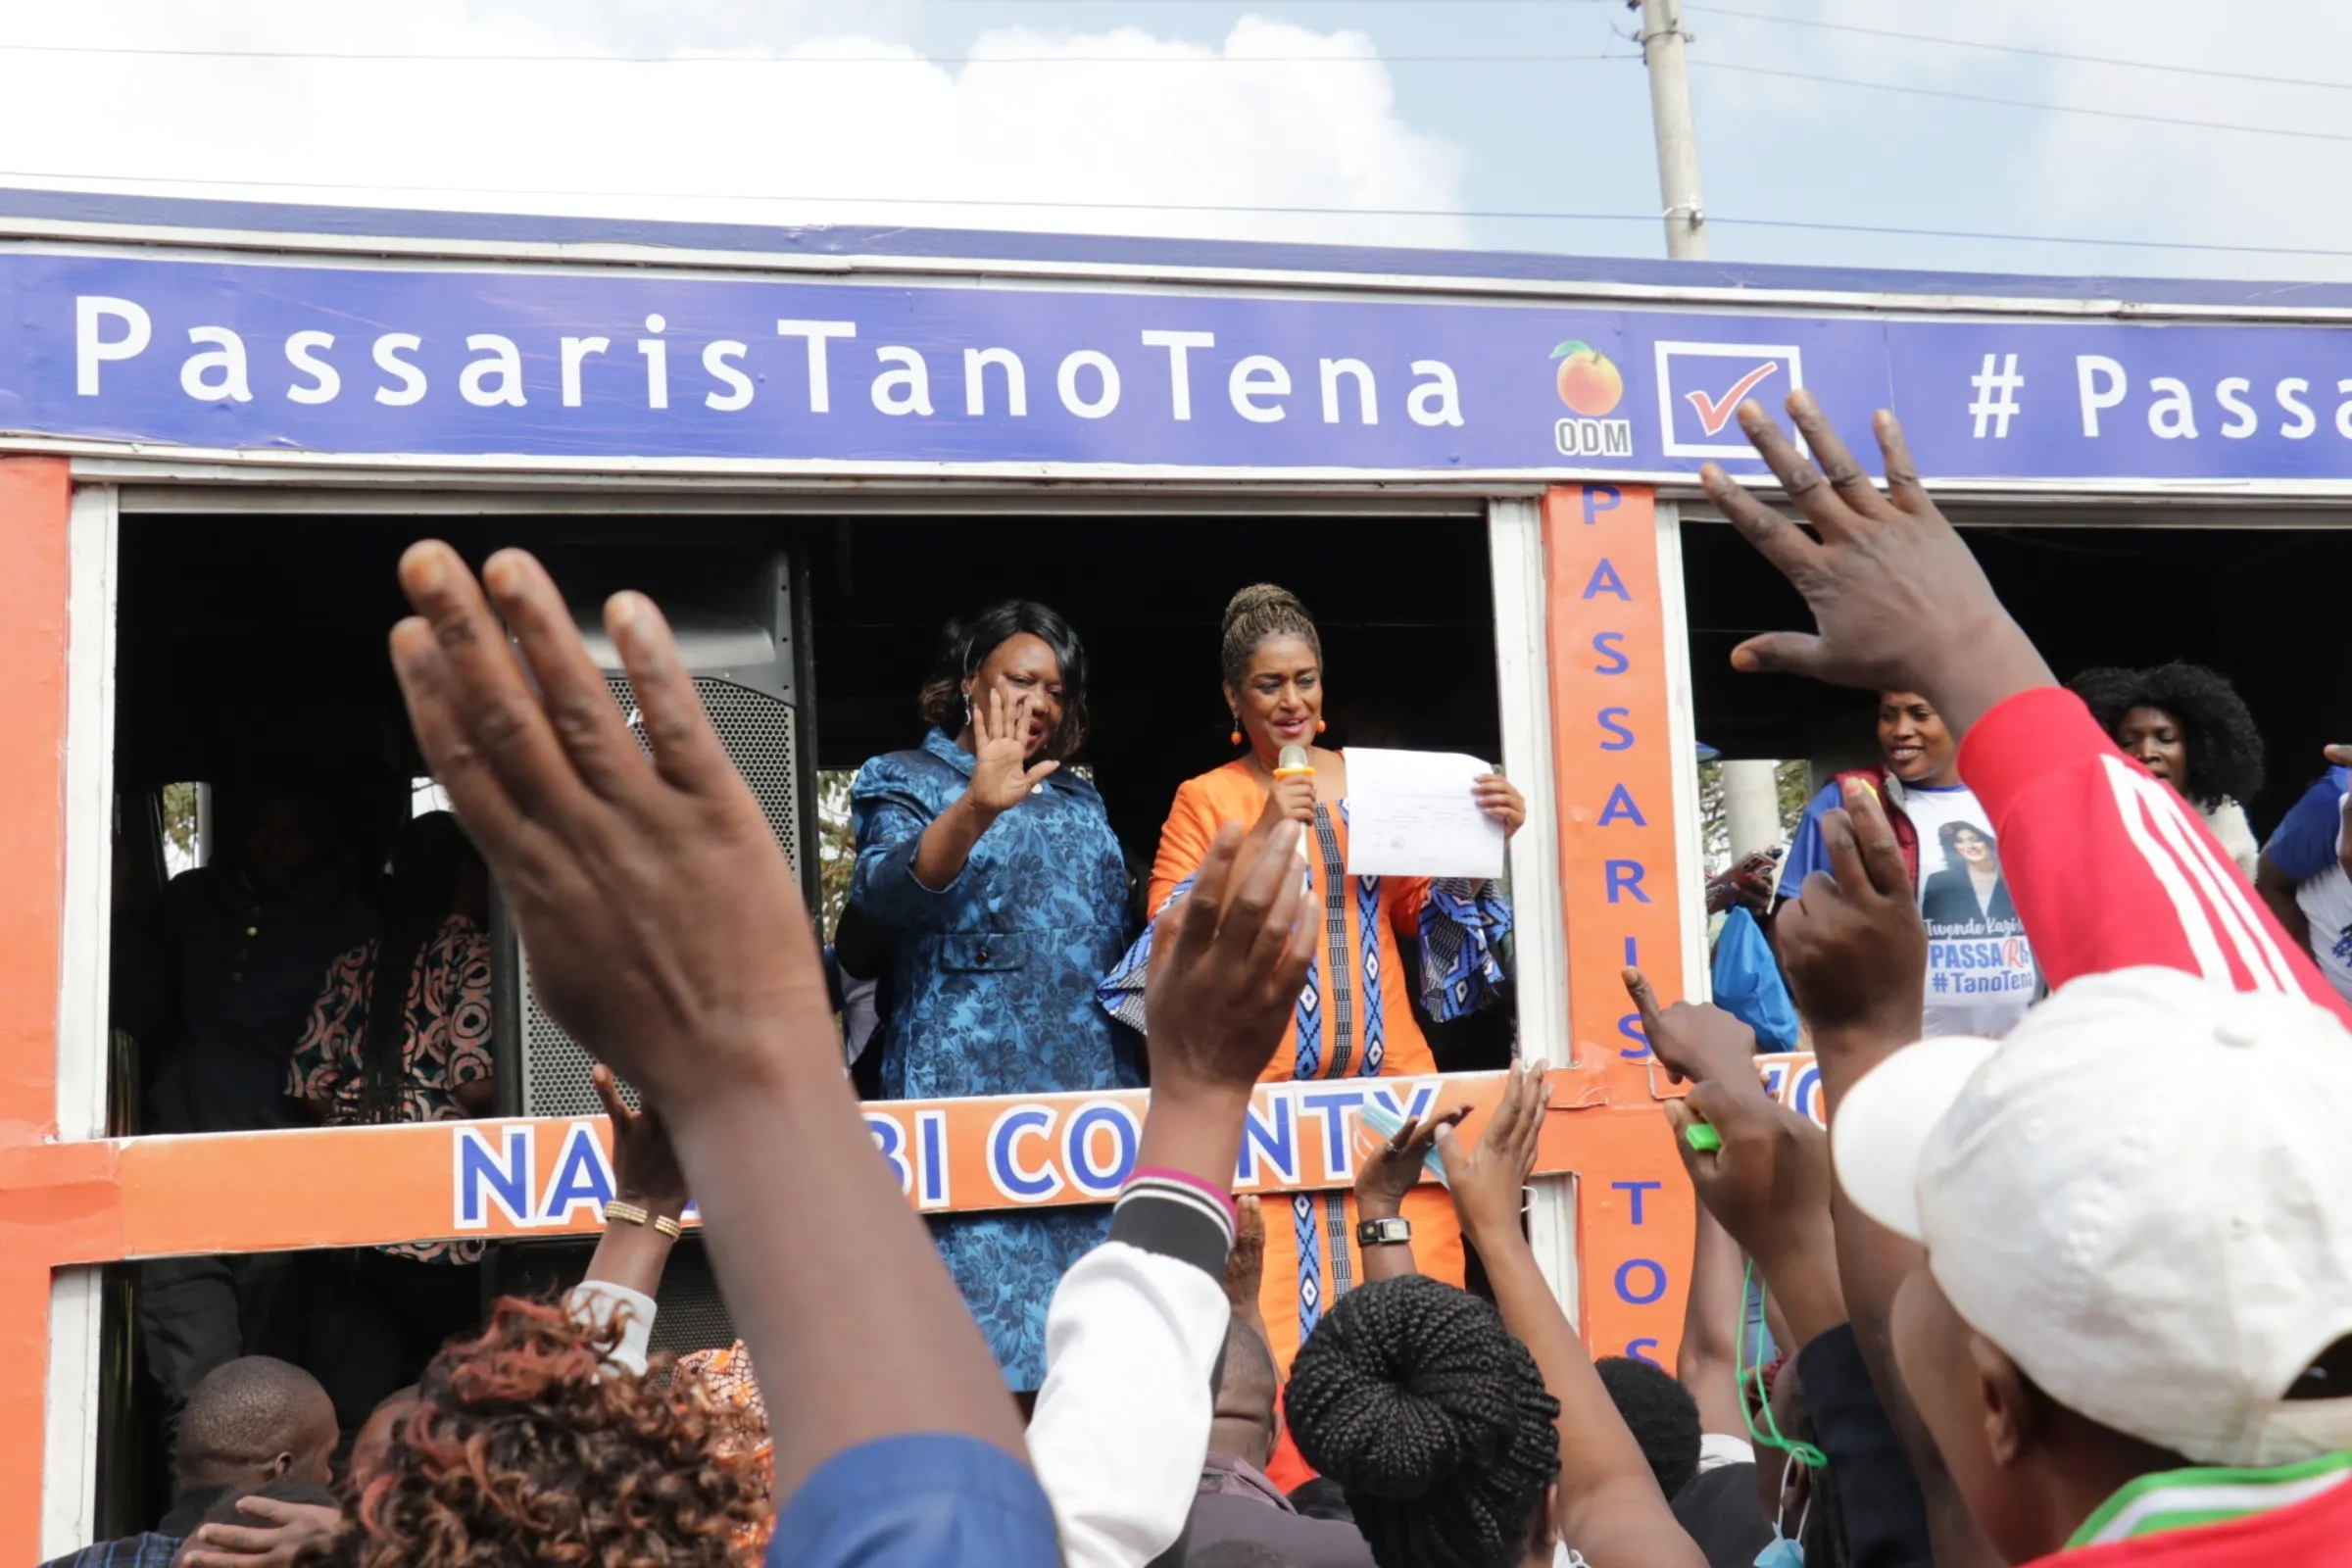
{"points": [[1575, 135], [1216, 104]]}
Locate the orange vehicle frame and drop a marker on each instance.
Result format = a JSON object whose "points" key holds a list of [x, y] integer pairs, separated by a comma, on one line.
{"points": [[83, 1203]]}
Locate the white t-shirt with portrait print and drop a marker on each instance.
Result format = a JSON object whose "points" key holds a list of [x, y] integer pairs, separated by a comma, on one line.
{"points": [[1980, 972]]}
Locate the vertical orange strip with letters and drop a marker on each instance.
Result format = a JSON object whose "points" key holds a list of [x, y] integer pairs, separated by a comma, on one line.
{"points": [[1613, 774], [35, 499]]}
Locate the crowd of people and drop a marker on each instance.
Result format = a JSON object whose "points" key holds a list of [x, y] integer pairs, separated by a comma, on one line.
{"points": [[2063, 1279]]}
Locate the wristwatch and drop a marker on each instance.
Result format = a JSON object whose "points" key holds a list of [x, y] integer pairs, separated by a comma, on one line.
{"points": [[1384, 1232]]}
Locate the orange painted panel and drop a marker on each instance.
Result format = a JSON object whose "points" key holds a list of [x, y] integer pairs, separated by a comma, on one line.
{"points": [[1613, 776], [1636, 1221], [36, 497]]}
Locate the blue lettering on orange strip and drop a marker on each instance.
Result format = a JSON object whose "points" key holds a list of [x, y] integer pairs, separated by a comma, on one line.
{"points": [[504, 1180], [1332, 1106], [1637, 1188], [1077, 1149], [931, 1147], [890, 1142], [1621, 805], [1004, 1166], [1630, 1026], [581, 1178], [1275, 1142], [1625, 1289]]}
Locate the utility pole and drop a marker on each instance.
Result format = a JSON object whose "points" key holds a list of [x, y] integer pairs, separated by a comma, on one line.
{"points": [[1750, 786], [1662, 40]]}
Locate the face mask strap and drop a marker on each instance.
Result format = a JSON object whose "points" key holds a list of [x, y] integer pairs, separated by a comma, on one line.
{"points": [[1770, 1437], [1804, 1515]]}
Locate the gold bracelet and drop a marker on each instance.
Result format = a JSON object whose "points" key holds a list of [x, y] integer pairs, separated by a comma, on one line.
{"points": [[668, 1227], [628, 1213]]}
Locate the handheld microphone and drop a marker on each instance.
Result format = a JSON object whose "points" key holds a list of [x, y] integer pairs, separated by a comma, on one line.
{"points": [[1291, 763]]}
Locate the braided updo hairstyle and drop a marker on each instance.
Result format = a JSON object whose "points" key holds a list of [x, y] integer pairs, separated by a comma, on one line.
{"points": [[1255, 614], [1416, 1398]]}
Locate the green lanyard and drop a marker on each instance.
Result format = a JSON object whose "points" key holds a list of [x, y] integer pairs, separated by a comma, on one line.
{"points": [[1813, 1457]]}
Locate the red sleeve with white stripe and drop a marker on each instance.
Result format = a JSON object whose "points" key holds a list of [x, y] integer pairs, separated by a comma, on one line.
{"points": [[2106, 865]]}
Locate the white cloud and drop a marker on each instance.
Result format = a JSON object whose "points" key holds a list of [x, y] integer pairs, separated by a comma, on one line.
{"points": [[1275, 116], [2090, 174]]}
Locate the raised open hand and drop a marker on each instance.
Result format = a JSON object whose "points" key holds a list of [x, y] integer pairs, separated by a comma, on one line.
{"points": [[1487, 1181], [645, 1169], [1692, 1039], [1898, 601], [1394, 1167], [1851, 941], [665, 930], [1228, 965], [1002, 777]]}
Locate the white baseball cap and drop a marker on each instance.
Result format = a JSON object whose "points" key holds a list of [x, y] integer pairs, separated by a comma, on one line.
{"points": [[2144, 1195]]}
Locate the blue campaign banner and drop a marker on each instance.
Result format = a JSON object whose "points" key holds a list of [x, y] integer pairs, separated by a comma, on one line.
{"points": [[601, 365]]}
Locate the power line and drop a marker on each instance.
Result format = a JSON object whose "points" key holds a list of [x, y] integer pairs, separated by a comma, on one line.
{"points": [[2031, 239], [2018, 49], [2023, 103], [998, 203], [374, 55]]}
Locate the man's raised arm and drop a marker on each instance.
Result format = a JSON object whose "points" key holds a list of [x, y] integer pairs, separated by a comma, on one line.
{"points": [[2107, 867]]}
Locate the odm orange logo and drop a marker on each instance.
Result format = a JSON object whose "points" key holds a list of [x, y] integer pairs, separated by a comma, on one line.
{"points": [[1589, 383]]}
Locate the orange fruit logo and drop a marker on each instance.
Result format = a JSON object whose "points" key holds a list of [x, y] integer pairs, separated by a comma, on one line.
{"points": [[1589, 383]]}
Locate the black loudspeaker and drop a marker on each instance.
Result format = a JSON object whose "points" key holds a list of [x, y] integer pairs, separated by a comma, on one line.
{"points": [[740, 626]]}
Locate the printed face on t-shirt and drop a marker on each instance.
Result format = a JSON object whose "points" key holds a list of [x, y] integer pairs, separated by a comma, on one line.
{"points": [[1981, 973]]}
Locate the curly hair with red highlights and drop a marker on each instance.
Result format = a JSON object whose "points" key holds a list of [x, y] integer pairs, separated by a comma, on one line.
{"points": [[526, 1448]]}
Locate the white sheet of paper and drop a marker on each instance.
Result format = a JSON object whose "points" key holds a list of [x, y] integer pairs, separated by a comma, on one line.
{"points": [[1410, 813]]}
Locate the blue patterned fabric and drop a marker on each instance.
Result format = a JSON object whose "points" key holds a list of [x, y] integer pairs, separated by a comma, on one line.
{"points": [[1463, 927], [993, 983], [148, 1550], [1367, 930]]}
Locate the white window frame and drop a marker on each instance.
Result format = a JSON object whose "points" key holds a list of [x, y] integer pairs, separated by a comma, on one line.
{"points": [[70, 1401]]}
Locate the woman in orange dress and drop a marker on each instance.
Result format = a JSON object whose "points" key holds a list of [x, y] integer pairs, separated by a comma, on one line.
{"points": [[1356, 1018]]}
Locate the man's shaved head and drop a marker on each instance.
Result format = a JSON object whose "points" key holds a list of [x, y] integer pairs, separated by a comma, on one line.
{"points": [[253, 1420]]}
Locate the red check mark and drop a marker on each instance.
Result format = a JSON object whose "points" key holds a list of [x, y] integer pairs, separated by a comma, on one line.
{"points": [[1714, 415]]}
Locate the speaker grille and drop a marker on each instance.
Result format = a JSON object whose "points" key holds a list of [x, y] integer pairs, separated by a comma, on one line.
{"points": [[762, 739], [694, 1315]]}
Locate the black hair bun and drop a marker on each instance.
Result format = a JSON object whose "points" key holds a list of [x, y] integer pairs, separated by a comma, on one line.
{"points": [[1413, 1397]]}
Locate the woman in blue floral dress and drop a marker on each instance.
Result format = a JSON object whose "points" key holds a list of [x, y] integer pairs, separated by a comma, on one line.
{"points": [[1004, 897]]}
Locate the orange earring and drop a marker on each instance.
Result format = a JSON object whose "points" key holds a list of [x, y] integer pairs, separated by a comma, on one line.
{"points": [[1320, 726], [1236, 737]]}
